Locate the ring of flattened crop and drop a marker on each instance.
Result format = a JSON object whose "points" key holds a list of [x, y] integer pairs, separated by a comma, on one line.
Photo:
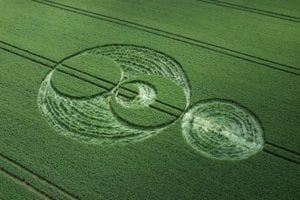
{"points": [[90, 119]]}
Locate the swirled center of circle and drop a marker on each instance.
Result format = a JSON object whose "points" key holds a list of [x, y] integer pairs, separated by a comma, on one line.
{"points": [[85, 96], [222, 130]]}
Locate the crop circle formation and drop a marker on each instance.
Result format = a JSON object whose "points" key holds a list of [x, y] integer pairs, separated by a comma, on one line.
{"points": [[91, 119], [222, 130], [217, 129]]}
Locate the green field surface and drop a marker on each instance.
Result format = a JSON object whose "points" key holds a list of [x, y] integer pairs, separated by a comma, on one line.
{"points": [[151, 64]]}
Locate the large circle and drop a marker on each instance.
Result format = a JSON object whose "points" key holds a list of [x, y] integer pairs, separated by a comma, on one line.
{"points": [[222, 130], [72, 101]]}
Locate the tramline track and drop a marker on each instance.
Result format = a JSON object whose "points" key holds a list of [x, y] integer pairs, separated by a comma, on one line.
{"points": [[49, 63]]}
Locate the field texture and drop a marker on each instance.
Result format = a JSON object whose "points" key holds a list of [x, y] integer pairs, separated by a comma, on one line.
{"points": [[172, 99]]}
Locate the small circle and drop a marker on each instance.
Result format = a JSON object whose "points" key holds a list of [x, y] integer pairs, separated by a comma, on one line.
{"points": [[145, 95], [222, 130]]}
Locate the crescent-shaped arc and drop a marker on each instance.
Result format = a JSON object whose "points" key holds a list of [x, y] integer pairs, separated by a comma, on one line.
{"points": [[91, 120]]}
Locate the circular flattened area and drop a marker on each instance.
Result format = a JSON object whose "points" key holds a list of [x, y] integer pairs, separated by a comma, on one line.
{"points": [[222, 130]]}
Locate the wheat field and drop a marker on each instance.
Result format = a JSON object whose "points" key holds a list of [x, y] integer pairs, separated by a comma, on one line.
{"points": [[160, 99]]}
